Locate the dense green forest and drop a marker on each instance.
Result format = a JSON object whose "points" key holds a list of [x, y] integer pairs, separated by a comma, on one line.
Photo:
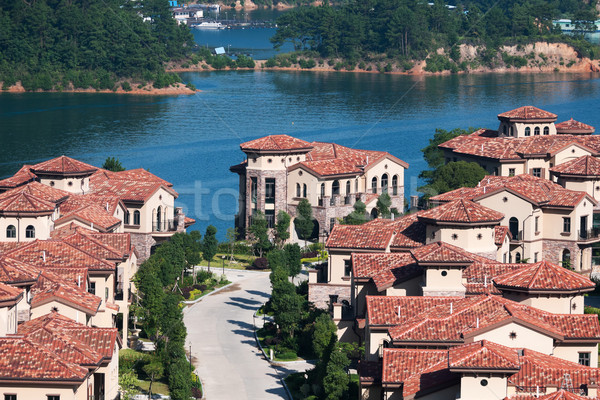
{"points": [[414, 29], [48, 44]]}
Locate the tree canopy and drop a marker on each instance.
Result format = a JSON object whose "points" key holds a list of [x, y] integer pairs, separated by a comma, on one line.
{"points": [[51, 43]]}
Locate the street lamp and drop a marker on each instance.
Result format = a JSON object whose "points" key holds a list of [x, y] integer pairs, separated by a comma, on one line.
{"points": [[223, 258]]}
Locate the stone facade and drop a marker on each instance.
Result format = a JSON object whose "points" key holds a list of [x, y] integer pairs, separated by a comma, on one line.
{"points": [[318, 294], [280, 193], [143, 243], [553, 250]]}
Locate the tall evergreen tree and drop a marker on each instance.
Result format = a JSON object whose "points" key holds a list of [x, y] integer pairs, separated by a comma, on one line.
{"points": [[210, 244]]}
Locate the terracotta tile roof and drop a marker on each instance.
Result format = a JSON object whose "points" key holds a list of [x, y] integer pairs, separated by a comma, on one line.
{"points": [[461, 211], [483, 355], [410, 232], [275, 143], [360, 237], [383, 310], [539, 191], [417, 370], [120, 242], [59, 254], [16, 272], [23, 359], [544, 277], [42, 191], [24, 203], [21, 177], [527, 113], [330, 167], [91, 214], [561, 394], [91, 245], [479, 276], [108, 202], [187, 221], [573, 127], [441, 252], [138, 174], [50, 286], [500, 233], [63, 165], [452, 323], [370, 371], [583, 166], [113, 184], [385, 269], [542, 370], [9, 293], [98, 342]]}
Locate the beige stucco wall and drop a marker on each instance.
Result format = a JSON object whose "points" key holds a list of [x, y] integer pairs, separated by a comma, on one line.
{"points": [[303, 177], [43, 226], [335, 267], [27, 391], [148, 211], [505, 168], [74, 185], [277, 162], [445, 394], [411, 287], [436, 284], [518, 128], [591, 187], [476, 239], [63, 309], [373, 340], [8, 320], [555, 304], [571, 352], [471, 387], [525, 337], [384, 166], [569, 153]]}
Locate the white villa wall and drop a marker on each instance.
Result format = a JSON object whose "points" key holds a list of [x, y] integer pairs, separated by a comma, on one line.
{"points": [[525, 337]]}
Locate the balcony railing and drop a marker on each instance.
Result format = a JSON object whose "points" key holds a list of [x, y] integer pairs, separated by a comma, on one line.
{"points": [[588, 234], [518, 236], [169, 225]]}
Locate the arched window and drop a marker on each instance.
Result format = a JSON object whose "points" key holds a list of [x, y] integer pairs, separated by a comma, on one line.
{"points": [[335, 188], [136, 217], [513, 227], [11, 231], [384, 183], [298, 190], [395, 185], [348, 186], [518, 257], [536, 131], [374, 184], [158, 220], [546, 130], [356, 185], [30, 232], [322, 189], [127, 217], [566, 258], [304, 190], [527, 131]]}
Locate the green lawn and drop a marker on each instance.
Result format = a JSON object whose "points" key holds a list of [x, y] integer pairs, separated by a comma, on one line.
{"points": [[241, 261], [157, 387]]}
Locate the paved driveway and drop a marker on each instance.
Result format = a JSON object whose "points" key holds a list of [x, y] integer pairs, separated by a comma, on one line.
{"points": [[220, 331]]}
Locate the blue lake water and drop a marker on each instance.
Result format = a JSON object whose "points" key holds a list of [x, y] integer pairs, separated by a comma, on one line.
{"points": [[192, 140]]}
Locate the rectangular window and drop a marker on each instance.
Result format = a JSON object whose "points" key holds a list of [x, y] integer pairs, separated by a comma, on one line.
{"points": [[537, 224], [584, 359], [270, 217], [92, 288], [504, 258], [535, 257], [52, 397], [566, 225], [270, 190], [106, 294], [10, 397], [347, 267], [511, 172], [331, 223], [537, 172], [253, 189]]}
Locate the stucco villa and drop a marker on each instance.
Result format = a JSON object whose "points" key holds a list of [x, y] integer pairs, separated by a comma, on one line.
{"points": [[280, 170]]}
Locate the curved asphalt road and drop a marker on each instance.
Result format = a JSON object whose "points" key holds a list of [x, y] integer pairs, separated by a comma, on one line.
{"points": [[225, 354]]}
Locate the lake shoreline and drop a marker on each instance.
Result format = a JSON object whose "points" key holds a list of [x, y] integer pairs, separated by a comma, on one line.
{"points": [[176, 90]]}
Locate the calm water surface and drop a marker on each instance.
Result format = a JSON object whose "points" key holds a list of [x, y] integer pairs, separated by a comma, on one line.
{"points": [[192, 140]]}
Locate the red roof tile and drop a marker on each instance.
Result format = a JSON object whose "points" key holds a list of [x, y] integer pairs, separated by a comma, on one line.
{"points": [[275, 143], [23, 359], [444, 253], [479, 276], [452, 323], [125, 188], [385, 269], [544, 277], [65, 166], [527, 113], [50, 286], [462, 211], [24, 203], [91, 214], [42, 191], [21, 177], [359, 237], [383, 310], [558, 395], [16, 272], [91, 245], [587, 166], [483, 355], [500, 233], [573, 127], [9, 293]]}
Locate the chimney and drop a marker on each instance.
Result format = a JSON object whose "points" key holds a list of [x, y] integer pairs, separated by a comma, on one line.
{"points": [[399, 312], [451, 307], [92, 226], [44, 255], [414, 202], [477, 322], [485, 281], [79, 280], [367, 160], [107, 206]]}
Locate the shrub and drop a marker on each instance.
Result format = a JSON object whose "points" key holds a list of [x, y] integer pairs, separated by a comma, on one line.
{"points": [[271, 62], [260, 263], [186, 291], [126, 86], [287, 356], [310, 254]]}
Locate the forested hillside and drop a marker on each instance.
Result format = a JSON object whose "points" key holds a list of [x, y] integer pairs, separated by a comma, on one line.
{"points": [[50, 44], [413, 30]]}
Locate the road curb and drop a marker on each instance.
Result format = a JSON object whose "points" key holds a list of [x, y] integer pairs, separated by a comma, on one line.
{"points": [[199, 299]]}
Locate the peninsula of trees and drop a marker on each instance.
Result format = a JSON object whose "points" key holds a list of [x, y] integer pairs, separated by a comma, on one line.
{"points": [[400, 32], [69, 44]]}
